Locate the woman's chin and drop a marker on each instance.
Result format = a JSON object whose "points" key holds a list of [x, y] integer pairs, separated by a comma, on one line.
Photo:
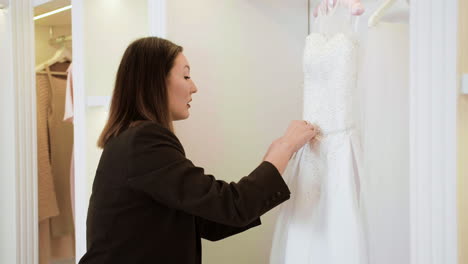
{"points": [[183, 117]]}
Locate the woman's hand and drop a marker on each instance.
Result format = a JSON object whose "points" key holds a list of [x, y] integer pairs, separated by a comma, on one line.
{"points": [[297, 135], [355, 6]]}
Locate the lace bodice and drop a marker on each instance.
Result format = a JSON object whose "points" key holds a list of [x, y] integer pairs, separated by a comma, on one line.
{"points": [[329, 80]]}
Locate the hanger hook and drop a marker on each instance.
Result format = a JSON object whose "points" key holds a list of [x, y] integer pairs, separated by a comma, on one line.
{"points": [[51, 31]]}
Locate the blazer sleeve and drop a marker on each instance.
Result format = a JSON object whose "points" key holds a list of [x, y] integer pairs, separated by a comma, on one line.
{"points": [[157, 167], [213, 231]]}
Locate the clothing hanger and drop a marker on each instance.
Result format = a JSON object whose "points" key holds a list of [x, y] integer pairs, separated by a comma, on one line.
{"points": [[380, 12], [63, 54]]}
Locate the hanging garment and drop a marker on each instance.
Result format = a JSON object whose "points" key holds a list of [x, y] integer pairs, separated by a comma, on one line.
{"points": [[322, 221], [68, 111], [47, 197], [56, 232], [384, 81], [68, 117]]}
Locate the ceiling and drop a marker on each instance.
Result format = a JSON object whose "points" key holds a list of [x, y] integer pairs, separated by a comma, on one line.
{"points": [[62, 18]]}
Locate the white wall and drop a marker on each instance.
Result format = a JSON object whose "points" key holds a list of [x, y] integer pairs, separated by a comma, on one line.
{"points": [[109, 28], [246, 59], [8, 148]]}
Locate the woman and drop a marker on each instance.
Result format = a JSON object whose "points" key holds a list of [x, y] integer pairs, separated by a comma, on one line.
{"points": [[149, 203]]}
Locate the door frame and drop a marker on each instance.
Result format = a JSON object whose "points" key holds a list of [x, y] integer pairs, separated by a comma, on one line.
{"points": [[21, 91], [433, 94]]}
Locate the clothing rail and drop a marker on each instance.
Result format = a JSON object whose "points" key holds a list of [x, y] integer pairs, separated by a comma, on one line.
{"points": [[60, 40], [53, 73]]}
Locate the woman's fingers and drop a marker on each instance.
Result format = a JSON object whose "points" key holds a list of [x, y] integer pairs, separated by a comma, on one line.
{"points": [[356, 7], [300, 132], [313, 133], [317, 135]]}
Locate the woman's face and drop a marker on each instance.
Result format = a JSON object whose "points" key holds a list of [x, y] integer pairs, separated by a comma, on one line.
{"points": [[180, 88]]}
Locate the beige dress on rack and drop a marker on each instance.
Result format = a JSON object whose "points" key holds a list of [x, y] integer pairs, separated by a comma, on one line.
{"points": [[55, 140]]}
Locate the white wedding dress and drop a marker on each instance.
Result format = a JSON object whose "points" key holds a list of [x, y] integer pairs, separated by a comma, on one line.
{"points": [[321, 223]]}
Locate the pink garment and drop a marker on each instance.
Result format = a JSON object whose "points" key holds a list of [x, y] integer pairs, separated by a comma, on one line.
{"points": [[69, 97], [68, 117]]}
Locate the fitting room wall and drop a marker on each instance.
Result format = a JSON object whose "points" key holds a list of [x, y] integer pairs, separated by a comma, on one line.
{"points": [[109, 28], [463, 139], [246, 59]]}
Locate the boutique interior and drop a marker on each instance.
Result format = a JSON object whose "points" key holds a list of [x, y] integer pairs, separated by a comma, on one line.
{"points": [[246, 59]]}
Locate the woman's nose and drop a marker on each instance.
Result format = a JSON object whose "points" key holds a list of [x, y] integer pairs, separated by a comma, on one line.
{"points": [[194, 88]]}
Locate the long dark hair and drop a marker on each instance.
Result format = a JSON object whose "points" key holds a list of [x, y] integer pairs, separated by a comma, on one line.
{"points": [[140, 91]]}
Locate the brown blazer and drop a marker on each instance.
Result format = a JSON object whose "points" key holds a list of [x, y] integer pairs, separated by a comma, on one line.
{"points": [[150, 204]]}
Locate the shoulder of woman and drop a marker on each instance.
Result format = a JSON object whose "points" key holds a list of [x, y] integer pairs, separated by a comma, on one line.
{"points": [[151, 133]]}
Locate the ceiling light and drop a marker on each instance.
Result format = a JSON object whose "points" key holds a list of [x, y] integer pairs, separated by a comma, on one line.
{"points": [[52, 12]]}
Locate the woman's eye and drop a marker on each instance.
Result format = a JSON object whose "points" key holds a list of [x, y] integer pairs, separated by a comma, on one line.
{"points": [[187, 77]]}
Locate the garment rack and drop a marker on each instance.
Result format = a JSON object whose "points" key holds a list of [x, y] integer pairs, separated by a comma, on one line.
{"points": [[60, 40], [53, 73], [49, 72]]}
